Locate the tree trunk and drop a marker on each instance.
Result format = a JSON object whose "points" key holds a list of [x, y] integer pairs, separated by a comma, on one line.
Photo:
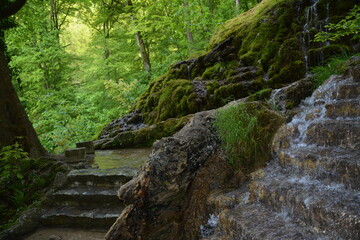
{"points": [[237, 5], [189, 34], [14, 123], [145, 56], [143, 51]]}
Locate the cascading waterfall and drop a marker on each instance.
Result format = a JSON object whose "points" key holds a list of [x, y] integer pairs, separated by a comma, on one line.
{"points": [[313, 22]]}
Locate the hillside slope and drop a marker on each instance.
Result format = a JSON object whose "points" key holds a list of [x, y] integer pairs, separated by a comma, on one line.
{"points": [[265, 48]]}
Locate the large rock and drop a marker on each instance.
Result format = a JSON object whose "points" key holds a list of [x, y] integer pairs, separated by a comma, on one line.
{"points": [[158, 194]]}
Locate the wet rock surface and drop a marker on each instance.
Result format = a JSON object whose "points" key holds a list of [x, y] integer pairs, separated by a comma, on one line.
{"points": [[159, 195], [86, 199], [311, 188]]}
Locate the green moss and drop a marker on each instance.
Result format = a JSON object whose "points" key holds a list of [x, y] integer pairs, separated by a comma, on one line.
{"points": [[261, 95], [214, 72], [261, 32], [320, 55], [167, 99], [145, 137], [246, 131], [268, 37], [220, 70]]}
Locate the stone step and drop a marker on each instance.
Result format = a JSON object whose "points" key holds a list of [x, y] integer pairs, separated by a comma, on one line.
{"points": [[324, 206], [343, 109], [330, 164], [114, 177], [348, 91], [257, 222], [93, 218], [334, 133], [86, 197]]}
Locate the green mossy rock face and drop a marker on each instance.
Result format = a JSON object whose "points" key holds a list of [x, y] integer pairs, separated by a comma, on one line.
{"points": [[262, 48], [268, 47]]}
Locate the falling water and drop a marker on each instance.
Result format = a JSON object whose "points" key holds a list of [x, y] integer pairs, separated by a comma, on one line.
{"points": [[312, 22]]}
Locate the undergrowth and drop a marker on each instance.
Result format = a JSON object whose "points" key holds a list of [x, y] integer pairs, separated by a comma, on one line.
{"points": [[236, 128], [246, 131], [335, 65], [21, 182]]}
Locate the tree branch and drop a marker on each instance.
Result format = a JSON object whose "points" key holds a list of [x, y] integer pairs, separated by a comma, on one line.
{"points": [[11, 9]]}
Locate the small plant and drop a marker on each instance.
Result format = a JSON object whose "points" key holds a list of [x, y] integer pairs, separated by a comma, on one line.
{"points": [[349, 26], [236, 129], [333, 66], [246, 131]]}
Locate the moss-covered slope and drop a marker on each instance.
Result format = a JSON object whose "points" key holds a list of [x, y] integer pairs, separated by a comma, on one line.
{"points": [[264, 48]]}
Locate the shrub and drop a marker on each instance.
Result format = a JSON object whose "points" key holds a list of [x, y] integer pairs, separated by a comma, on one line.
{"points": [[21, 182]]}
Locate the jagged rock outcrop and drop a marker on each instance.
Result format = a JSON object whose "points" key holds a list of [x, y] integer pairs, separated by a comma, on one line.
{"points": [[166, 200], [267, 47], [158, 194], [311, 188]]}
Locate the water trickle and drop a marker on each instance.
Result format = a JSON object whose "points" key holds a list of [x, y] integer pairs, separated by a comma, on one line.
{"points": [[313, 24], [209, 228]]}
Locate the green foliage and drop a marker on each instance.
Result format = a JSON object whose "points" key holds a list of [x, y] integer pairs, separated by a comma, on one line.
{"points": [[334, 65], [236, 129], [246, 131], [20, 182], [349, 26], [77, 64]]}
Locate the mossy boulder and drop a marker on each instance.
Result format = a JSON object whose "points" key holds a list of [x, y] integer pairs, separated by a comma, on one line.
{"points": [[143, 137]]}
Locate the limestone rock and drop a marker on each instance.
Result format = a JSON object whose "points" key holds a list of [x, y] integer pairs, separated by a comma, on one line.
{"points": [[159, 193], [290, 96], [88, 145], [355, 72], [75, 155]]}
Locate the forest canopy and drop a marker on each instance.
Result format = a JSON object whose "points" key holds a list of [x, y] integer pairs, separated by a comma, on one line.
{"points": [[77, 65]]}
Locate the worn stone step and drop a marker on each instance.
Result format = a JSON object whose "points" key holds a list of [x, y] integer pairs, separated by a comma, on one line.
{"points": [[86, 197], [348, 91], [325, 206], [331, 164], [114, 177], [94, 218], [343, 109], [334, 133], [257, 222]]}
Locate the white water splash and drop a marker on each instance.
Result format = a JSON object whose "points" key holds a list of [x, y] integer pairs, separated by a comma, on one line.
{"points": [[209, 228]]}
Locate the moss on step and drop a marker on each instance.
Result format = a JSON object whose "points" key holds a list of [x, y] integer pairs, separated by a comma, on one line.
{"points": [[261, 95], [167, 99], [145, 137]]}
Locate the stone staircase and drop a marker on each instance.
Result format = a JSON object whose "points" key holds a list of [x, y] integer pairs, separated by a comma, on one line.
{"points": [[311, 190], [87, 199]]}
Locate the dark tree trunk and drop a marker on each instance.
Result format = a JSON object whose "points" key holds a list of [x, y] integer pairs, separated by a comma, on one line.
{"points": [[14, 123]]}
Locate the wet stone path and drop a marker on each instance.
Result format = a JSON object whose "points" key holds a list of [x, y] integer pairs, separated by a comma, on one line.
{"points": [[87, 204]]}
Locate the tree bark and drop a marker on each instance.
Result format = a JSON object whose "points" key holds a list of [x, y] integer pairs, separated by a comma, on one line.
{"points": [[237, 5], [11, 9], [145, 56], [14, 123]]}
